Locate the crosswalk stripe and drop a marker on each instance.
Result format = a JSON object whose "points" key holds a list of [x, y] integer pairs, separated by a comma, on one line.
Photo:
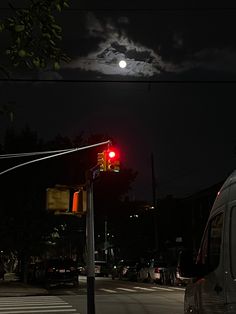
{"points": [[108, 290], [126, 289], [2, 303], [34, 304], [178, 288], [30, 298], [38, 311], [151, 289], [144, 289], [164, 289], [33, 307]]}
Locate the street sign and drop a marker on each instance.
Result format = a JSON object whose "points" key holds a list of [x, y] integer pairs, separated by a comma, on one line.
{"points": [[58, 199]]}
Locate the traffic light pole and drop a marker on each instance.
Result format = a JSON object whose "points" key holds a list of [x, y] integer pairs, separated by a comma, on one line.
{"points": [[91, 175]]}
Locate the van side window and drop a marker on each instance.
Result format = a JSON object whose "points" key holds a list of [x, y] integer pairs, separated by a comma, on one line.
{"points": [[210, 251], [233, 242]]}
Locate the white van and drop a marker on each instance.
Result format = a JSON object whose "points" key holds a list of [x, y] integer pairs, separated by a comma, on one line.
{"points": [[212, 288]]}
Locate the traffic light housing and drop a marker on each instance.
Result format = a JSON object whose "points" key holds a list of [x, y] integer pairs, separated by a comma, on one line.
{"points": [[109, 160], [101, 161], [112, 160]]}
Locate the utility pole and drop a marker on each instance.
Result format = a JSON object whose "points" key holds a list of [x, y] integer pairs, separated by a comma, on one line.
{"points": [[153, 182], [155, 217], [105, 240]]}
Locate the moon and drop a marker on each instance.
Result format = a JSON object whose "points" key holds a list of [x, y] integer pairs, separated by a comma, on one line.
{"points": [[122, 64]]}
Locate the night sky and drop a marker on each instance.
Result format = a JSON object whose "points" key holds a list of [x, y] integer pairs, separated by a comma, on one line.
{"points": [[175, 99]]}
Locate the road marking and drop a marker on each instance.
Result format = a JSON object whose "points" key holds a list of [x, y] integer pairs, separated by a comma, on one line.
{"points": [[3, 303], [108, 290], [39, 311], [164, 289], [178, 288], [144, 289], [126, 289], [33, 307], [35, 304], [31, 298]]}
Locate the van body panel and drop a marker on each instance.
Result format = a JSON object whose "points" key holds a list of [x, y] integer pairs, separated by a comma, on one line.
{"points": [[216, 291], [201, 297], [206, 295], [230, 260]]}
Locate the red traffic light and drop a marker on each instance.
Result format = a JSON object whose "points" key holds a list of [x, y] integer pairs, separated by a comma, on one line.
{"points": [[113, 160], [111, 154]]}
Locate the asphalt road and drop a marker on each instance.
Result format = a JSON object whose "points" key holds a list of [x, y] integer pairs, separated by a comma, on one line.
{"points": [[131, 303], [124, 297], [111, 297]]}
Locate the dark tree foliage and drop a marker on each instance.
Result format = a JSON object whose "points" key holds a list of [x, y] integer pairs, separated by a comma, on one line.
{"points": [[34, 36]]}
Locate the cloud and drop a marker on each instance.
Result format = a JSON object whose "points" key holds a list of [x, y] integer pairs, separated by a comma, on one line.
{"points": [[114, 47], [94, 27], [216, 59], [142, 61]]}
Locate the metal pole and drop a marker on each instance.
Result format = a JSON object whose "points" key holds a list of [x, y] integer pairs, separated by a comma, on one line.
{"points": [[105, 241], [90, 248], [153, 182], [155, 218]]}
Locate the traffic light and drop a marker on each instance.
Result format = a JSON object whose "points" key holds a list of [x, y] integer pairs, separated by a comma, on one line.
{"points": [[112, 160], [102, 162]]}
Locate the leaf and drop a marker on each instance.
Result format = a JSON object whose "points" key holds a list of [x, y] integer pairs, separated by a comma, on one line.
{"points": [[22, 53], [27, 63], [46, 35], [56, 66], [10, 20], [36, 62], [65, 58], [66, 5], [58, 7], [19, 28], [56, 35], [52, 42], [57, 27], [2, 27]]}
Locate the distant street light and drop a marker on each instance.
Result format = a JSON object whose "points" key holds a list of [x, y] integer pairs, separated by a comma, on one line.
{"points": [[122, 64]]}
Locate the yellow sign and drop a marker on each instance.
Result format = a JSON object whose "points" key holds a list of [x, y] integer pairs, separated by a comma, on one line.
{"points": [[58, 199]]}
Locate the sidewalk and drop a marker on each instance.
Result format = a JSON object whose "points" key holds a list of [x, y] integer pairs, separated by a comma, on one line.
{"points": [[11, 287]]}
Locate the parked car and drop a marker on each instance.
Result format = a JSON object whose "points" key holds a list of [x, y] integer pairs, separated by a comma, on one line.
{"points": [[57, 271], [126, 269], [101, 269], [179, 277], [154, 271]]}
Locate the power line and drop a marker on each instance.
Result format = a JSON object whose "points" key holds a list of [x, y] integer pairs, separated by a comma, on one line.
{"points": [[128, 9], [55, 155], [113, 81], [7, 156]]}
